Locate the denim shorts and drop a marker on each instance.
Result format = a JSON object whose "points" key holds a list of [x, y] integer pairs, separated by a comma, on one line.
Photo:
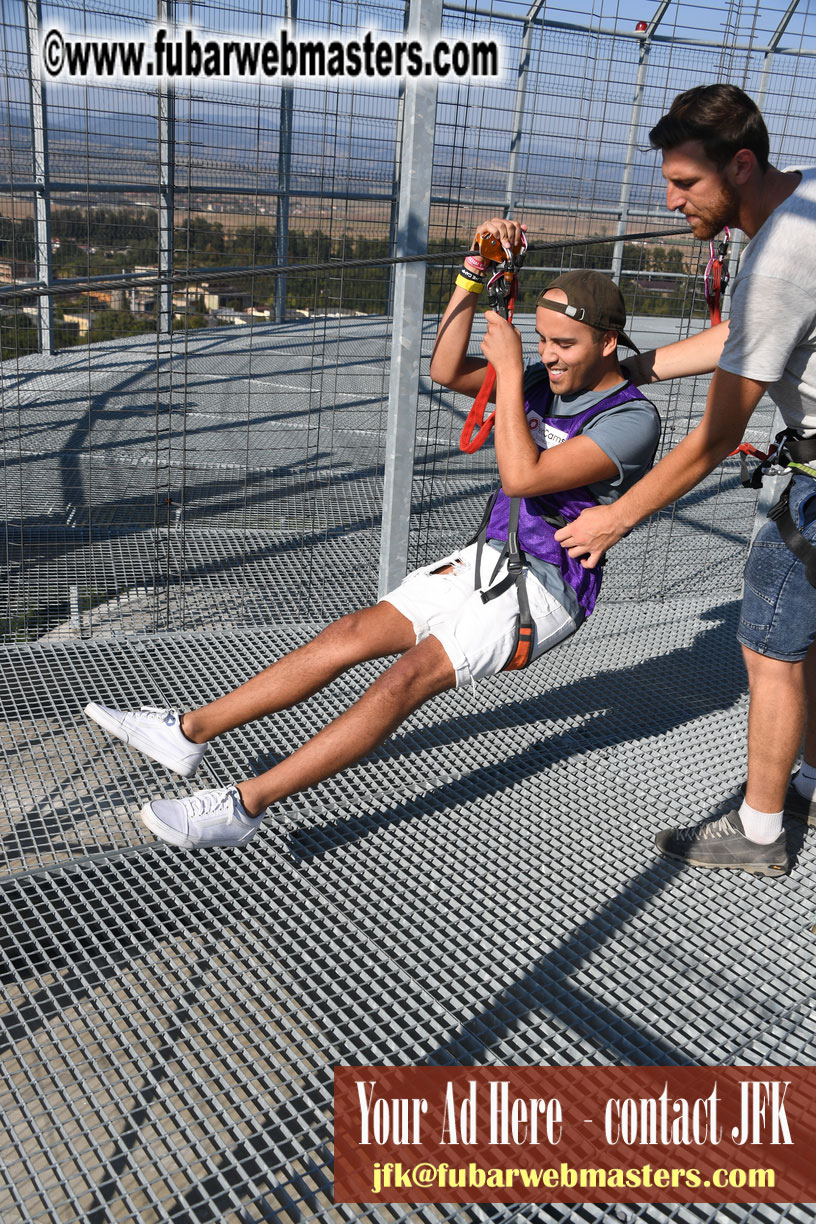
{"points": [[778, 615]]}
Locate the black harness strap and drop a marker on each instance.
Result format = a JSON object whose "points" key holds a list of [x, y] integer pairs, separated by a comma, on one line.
{"points": [[480, 536], [790, 533], [795, 450], [524, 638], [800, 450]]}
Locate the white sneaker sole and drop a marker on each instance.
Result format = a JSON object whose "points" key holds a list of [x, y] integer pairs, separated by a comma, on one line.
{"points": [[134, 740]]}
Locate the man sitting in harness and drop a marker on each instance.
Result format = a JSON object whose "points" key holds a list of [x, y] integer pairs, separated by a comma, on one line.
{"points": [[571, 432]]}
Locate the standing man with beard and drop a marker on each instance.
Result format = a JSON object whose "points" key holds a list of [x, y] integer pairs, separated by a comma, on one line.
{"points": [[715, 162]]}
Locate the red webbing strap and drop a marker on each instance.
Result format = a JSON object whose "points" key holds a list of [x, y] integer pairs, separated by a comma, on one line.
{"points": [[752, 479], [747, 448], [476, 429], [715, 279], [716, 293]]}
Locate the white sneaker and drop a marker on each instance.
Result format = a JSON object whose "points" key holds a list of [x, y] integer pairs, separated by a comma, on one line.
{"points": [[155, 732], [207, 818]]}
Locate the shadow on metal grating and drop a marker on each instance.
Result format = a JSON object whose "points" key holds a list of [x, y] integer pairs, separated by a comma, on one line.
{"points": [[482, 890]]}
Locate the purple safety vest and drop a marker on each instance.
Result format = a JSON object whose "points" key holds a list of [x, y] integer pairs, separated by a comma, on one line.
{"points": [[536, 535]]}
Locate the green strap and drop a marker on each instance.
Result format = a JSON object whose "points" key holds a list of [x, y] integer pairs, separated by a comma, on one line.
{"points": [[803, 467]]}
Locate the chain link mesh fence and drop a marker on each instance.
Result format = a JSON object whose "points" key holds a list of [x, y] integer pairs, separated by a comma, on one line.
{"points": [[154, 473], [192, 479]]}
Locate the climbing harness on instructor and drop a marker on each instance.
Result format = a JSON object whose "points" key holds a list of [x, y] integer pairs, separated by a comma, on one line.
{"points": [[789, 451]]}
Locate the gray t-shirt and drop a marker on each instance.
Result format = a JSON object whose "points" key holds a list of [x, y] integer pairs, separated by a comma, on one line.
{"points": [[627, 434], [772, 337]]}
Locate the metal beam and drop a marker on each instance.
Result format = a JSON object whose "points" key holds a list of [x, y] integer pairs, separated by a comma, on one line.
{"points": [[771, 488], [631, 143], [518, 105], [608, 31], [167, 175], [284, 174], [419, 119], [61, 185], [42, 196], [773, 45], [770, 51], [70, 284], [540, 206], [393, 212]]}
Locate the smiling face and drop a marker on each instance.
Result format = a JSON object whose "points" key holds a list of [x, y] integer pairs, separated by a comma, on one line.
{"points": [[577, 357], [695, 187]]}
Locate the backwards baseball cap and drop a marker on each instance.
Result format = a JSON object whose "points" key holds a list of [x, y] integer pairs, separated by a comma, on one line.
{"points": [[592, 298]]}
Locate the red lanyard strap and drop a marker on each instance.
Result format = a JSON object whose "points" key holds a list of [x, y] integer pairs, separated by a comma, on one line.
{"points": [[716, 277], [476, 429], [502, 290]]}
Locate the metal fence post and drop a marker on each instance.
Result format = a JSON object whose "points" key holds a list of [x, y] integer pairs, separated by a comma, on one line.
{"points": [[772, 487], [167, 172], [42, 191], [773, 44], [287, 100], [631, 144], [518, 105], [409, 302]]}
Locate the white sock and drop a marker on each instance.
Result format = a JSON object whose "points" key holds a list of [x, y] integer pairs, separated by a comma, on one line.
{"points": [[805, 780], [760, 827]]}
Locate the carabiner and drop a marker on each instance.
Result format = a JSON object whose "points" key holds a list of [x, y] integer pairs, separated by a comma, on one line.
{"points": [[503, 284]]}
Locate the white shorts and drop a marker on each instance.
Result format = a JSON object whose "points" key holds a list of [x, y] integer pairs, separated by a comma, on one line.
{"points": [[477, 637]]}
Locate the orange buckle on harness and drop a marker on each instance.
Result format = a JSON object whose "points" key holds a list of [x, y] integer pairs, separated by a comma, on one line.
{"points": [[523, 649]]}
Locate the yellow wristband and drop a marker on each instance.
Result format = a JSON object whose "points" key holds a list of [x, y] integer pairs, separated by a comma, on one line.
{"points": [[472, 286]]}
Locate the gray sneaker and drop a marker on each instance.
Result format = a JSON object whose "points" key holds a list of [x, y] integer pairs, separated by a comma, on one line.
{"points": [[155, 732], [796, 805], [722, 843]]}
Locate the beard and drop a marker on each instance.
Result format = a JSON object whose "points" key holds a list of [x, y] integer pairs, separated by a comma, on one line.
{"points": [[720, 212]]}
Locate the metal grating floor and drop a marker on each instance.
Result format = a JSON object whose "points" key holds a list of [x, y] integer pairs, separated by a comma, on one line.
{"points": [[483, 890]]}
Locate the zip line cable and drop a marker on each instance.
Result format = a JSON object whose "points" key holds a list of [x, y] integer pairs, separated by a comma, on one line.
{"points": [[136, 280]]}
